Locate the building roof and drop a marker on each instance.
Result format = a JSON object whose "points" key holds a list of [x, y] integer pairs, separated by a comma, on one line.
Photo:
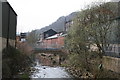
{"points": [[52, 37], [49, 30], [56, 36]]}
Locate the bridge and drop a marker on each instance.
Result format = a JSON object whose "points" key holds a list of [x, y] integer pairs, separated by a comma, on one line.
{"points": [[49, 50], [57, 53]]}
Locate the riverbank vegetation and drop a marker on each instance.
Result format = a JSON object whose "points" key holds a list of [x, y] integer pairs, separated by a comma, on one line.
{"points": [[87, 39], [15, 64]]}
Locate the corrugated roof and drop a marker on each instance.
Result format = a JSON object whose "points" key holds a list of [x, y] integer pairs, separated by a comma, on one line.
{"points": [[54, 36]]}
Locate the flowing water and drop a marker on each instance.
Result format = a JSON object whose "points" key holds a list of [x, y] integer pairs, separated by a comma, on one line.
{"points": [[49, 72]]}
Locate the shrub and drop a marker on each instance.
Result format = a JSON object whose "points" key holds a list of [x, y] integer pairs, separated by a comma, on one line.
{"points": [[14, 62]]}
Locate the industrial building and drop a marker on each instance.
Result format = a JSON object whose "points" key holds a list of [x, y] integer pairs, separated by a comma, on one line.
{"points": [[8, 22]]}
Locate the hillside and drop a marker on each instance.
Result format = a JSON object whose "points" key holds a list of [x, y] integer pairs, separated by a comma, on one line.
{"points": [[59, 24]]}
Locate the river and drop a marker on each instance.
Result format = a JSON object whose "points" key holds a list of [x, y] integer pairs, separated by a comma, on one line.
{"points": [[49, 72]]}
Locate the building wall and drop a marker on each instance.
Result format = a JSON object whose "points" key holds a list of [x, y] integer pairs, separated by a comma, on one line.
{"points": [[68, 24], [8, 27], [0, 27], [113, 50], [0, 40], [0, 58], [8, 22], [5, 19], [61, 41], [53, 43], [0, 19], [12, 25]]}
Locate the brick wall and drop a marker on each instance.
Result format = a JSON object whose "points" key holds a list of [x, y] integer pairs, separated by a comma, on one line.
{"points": [[53, 43]]}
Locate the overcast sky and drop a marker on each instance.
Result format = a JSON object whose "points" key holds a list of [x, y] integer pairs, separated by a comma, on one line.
{"points": [[35, 14]]}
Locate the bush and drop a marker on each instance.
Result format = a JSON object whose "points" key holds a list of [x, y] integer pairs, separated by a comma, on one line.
{"points": [[14, 62]]}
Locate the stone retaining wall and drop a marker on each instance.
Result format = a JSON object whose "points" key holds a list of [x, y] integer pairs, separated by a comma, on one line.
{"points": [[111, 63]]}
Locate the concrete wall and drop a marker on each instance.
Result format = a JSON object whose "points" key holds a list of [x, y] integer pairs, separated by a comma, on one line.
{"points": [[0, 19], [111, 63]]}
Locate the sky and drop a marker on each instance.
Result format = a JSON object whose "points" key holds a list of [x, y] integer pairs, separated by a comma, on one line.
{"points": [[35, 14]]}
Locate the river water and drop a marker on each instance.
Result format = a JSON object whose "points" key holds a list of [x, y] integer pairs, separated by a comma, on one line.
{"points": [[49, 72]]}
